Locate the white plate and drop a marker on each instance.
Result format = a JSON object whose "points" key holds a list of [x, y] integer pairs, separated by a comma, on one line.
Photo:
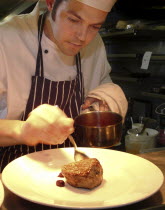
{"points": [[127, 179], [1, 193]]}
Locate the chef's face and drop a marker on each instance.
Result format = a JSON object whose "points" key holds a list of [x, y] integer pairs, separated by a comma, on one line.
{"points": [[74, 25]]}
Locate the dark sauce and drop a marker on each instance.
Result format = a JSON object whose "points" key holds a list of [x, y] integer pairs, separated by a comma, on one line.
{"points": [[60, 183], [60, 175]]}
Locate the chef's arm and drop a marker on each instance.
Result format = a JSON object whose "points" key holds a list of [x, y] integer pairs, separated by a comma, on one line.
{"points": [[46, 124], [9, 130], [102, 92], [112, 95], [105, 95]]}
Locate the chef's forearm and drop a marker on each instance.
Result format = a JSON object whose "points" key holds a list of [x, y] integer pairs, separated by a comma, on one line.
{"points": [[10, 132]]}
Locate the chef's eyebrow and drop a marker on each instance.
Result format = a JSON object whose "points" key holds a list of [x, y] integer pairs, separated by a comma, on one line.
{"points": [[79, 17]]}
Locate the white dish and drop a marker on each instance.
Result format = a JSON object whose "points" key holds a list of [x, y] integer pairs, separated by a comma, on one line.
{"points": [[1, 193], [127, 179]]}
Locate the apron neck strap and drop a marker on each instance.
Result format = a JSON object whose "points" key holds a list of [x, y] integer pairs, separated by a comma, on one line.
{"points": [[78, 63], [39, 62]]}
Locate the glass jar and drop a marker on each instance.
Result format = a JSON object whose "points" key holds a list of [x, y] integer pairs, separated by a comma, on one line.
{"points": [[137, 144]]}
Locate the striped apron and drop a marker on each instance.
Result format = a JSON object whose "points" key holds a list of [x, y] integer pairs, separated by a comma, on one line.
{"points": [[68, 95]]}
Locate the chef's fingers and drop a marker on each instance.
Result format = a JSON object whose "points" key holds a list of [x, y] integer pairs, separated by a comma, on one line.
{"points": [[103, 106], [58, 132], [66, 125], [88, 102]]}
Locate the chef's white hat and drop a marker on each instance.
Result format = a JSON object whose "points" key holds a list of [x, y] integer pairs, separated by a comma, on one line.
{"points": [[105, 5]]}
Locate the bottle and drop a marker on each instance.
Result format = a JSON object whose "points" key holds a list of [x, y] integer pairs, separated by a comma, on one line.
{"points": [[161, 135], [128, 119]]}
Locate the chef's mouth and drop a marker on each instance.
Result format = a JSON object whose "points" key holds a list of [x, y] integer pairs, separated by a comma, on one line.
{"points": [[75, 44]]}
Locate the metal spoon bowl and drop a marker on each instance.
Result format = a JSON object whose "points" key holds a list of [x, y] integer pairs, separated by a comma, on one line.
{"points": [[78, 155]]}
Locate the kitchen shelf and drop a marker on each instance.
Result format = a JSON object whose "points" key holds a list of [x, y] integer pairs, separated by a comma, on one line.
{"points": [[123, 78], [135, 56], [135, 33], [154, 95]]}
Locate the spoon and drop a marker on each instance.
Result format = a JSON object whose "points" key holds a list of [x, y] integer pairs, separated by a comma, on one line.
{"points": [[143, 129], [77, 154]]}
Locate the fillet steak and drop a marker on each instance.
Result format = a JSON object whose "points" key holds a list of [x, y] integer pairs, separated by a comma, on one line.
{"points": [[87, 173]]}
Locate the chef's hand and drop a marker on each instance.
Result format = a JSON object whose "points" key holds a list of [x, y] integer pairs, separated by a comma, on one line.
{"points": [[46, 124], [103, 106]]}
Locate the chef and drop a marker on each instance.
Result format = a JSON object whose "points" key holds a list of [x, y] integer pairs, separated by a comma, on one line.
{"points": [[53, 65]]}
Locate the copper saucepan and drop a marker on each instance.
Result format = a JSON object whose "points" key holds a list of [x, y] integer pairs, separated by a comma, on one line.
{"points": [[101, 129]]}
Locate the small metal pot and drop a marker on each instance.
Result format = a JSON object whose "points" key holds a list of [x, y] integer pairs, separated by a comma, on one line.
{"points": [[101, 129]]}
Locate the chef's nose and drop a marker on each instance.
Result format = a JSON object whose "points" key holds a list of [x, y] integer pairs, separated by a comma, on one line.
{"points": [[82, 33]]}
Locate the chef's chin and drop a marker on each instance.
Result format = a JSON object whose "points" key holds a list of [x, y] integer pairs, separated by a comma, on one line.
{"points": [[70, 51]]}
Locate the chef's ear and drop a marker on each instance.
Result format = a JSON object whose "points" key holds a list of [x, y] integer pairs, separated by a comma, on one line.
{"points": [[50, 4]]}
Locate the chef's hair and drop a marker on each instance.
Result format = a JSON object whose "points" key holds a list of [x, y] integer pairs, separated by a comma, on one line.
{"points": [[55, 6]]}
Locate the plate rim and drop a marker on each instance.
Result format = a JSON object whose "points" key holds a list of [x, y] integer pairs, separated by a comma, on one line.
{"points": [[86, 207], [2, 193]]}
